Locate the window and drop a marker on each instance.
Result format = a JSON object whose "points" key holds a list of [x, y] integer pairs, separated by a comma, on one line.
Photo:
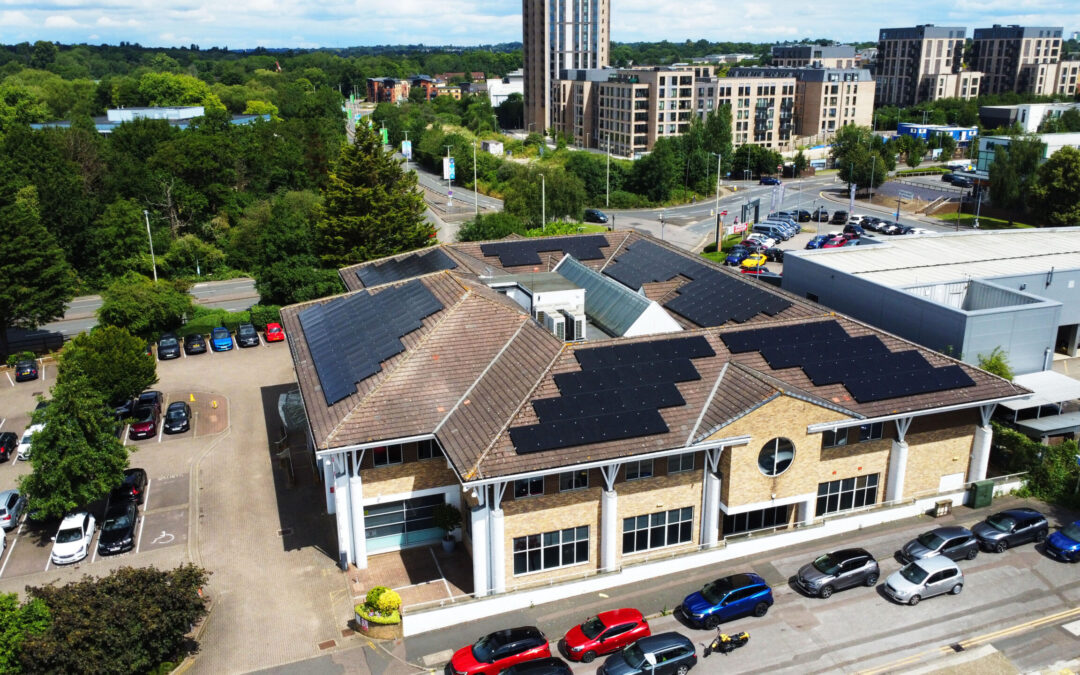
{"points": [[834, 438], [528, 487], [428, 449], [386, 455], [657, 530], [871, 432], [847, 493], [573, 480], [680, 463], [636, 470], [756, 520], [776, 456], [549, 550]]}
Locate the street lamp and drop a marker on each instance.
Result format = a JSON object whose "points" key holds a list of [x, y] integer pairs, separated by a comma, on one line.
{"points": [[978, 208], [607, 173], [153, 260], [543, 203], [449, 182], [475, 187]]}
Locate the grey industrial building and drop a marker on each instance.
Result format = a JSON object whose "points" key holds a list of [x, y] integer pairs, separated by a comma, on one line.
{"points": [[961, 293]]}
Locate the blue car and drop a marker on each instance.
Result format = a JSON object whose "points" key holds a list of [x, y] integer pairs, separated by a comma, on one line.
{"points": [[1064, 544], [736, 255], [818, 241], [726, 599], [221, 339]]}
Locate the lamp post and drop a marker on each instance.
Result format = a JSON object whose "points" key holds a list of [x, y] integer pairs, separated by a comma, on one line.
{"points": [[449, 182], [475, 187], [717, 181], [978, 208], [543, 203], [153, 260], [607, 173]]}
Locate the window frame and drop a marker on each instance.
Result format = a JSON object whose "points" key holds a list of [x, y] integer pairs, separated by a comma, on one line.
{"points": [[834, 438], [434, 450], [529, 483], [867, 432], [648, 525], [681, 459], [542, 545], [860, 488], [775, 443], [388, 452], [638, 475], [573, 477]]}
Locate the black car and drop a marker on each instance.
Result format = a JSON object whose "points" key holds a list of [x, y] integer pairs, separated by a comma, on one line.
{"points": [[247, 336], [8, 442], [195, 344], [947, 177], [839, 218], [132, 489], [177, 418], [123, 408], [769, 180], [151, 397], [871, 223], [118, 529], [663, 654], [854, 229], [803, 215], [953, 542], [546, 666], [821, 215], [838, 570], [595, 216], [1011, 527], [168, 347], [25, 371], [774, 254]]}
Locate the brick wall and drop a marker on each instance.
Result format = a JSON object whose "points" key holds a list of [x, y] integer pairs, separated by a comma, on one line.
{"points": [[409, 476], [661, 493], [933, 454], [547, 513]]}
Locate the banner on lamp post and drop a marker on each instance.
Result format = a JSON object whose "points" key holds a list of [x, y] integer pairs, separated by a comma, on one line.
{"points": [[448, 168], [406, 149], [851, 200]]}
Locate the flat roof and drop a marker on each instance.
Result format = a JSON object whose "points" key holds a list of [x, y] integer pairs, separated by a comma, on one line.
{"points": [[956, 256], [540, 282], [1047, 387]]}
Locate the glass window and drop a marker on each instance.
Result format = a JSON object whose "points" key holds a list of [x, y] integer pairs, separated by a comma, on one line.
{"points": [[428, 449], [386, 455], [776, 456], [549, 550], [637, 470], [657, 530], [773, 516], [528, 487], [871, 432], [573, 480], [834, 438], [680, 463], [847, 493]]}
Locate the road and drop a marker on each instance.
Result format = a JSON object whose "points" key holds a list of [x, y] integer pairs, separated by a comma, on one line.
{"points": [[462, 197]]}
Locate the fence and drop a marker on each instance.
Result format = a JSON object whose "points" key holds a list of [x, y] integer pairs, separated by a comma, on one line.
{"points": [[38, 341]]}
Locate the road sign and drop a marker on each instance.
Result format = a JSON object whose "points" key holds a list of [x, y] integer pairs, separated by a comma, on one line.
{"points": [[738, 227], [904, 194]]}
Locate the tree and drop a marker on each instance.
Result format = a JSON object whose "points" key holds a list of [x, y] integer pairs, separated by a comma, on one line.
{"points": [[113, 360], [559, 194], [189, 254], [486, 227], [143, 307], [371, 207], [1054, 197], [116, 243], [658, 173], [718, 137], [1013, 171], [758, 159], [17, 622], [38, 282], [997, 363], [77, 458], [947, 144], [800, 163], [511, 112], [297, 279], [915, 151]]}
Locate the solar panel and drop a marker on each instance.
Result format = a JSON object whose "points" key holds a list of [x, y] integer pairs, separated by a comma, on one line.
{"points": [[527, 251], [350, 337], [408, 267], [610, 427]]}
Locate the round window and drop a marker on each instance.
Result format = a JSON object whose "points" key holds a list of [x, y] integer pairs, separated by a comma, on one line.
{"points": [[776, 456]]}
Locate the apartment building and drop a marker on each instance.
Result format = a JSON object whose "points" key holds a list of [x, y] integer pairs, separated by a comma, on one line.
{"points": [[825, 98], [762, 108], [797, 56], [1018, 58], [914, 64], [387, 90], [558, 36]]}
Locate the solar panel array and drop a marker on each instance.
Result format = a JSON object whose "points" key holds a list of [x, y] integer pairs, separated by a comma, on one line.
{"points": [[712, 298], [617, 394], [527, 251], [405, 268], [864, 365], [350, 337]]}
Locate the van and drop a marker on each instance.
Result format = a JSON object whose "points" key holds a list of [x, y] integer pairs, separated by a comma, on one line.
{"points": [[774, 230], [789, 231]]}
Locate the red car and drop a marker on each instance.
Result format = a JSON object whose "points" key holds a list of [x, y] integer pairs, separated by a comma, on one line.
{"points": [[835, 242], [497, 651], [274, 332], [602, 634], [144, 422]]}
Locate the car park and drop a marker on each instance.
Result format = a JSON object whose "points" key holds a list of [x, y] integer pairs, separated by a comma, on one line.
{"points": [[924, 579], [144, 422], [495, 652], [769, 180], [834, 242], [1064, 545], [247, 336], [168, 347], [132, 488], [754, 260], [12, 505], [821, 215], [118, 528], [274, 332], [664, 654], [953, 542], [725, 599], [595, 216], [1011, 527], [774, 254], [23, 452], [736, 255], [221, 339], [26, 371], [839, 217], [9, 445], [604, 633], [177, 418], [837, 571], [194, 344], [549, 666], [72, 541]]}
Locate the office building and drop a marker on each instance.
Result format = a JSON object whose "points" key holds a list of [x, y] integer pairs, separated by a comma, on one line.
{"points": [[922, 63], [1029, 116], [1018, 58]]}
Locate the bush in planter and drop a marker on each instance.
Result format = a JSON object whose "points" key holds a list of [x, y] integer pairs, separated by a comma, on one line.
{"points": [[376, 618], [388, 603], [446, 517], [372, 597], [381, 606]]}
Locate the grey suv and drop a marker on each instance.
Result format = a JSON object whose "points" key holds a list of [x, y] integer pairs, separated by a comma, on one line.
{"points": [[837, 571], [664, 654], [1011, 527], [955, 543]]}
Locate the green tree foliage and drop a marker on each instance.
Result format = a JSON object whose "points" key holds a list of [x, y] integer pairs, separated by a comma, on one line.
{"points": [[1051, 469], [77, 458], [760, 160], [1013, 171], [296, 280], [799, 163], [113, 360], [558, 195], [718, 136], [658, 173], [17, 623], [996, 362], [117, 242], [371, 207], [861, 157], [167, 89], [486, 227], [262, 108], [130, 621], [38, 282], [19, 106], [189, 255], [914, 151], [1054, 197], [947, 144], [511, 112], [143, 307]]}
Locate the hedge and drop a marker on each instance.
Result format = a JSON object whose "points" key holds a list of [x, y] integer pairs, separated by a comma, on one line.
{"points": [[205, 319]]}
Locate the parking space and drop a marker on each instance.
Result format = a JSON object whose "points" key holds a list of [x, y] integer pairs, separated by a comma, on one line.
{"points": [[46, 376]]}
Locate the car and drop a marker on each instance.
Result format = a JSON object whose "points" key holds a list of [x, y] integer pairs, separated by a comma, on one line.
{"points": [[947, 177], [774, 254], [837, 571], [595, 216], [765, 240], [194, 344], [736, 255], [924, 579], [177, 418], [953, 542], [769, 180], [26, 371], [803, 215], [725, 599], [817, 241], [752, 245], [144, 422], [12, 505], [920, 230], [247, 336], [854, 230], [548, 666], [131, 489], [118, 528], [23, 451], [834, 242], [274, 332], [871, 223], [851, 240], [663, 654], [497, 651], [604, 633], [754, 260], [1011, 527], [9, 445], [168, 347], [72, 541], [221, 339], [151, 397], [788, 219], [1064, 544], [839, 217], [962, 182], [821, 215]]}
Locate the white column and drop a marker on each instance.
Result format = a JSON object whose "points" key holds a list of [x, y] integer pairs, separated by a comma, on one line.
{"points": [[806, 510], [328, 484], [498, 552], [609, 530], [480, 549], [710, 505], [359, 538], [980, 453], [897, 468], [341, 509]]}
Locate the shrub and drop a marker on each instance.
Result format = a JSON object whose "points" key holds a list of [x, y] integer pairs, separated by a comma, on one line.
{"points": [[264, 314], [388, 603], [373, 595], [206, 319], [621, 199], [12, 359], [375, 617], [710, 248]]}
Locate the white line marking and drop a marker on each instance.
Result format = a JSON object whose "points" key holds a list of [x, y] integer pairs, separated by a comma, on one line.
{"points": [[2, 422], [48, 562], [93, 557], [161, 430], [163, 538], [41, 366], [449, 593], [9, 550], [142, 521], [9, 379], [126, 437]]}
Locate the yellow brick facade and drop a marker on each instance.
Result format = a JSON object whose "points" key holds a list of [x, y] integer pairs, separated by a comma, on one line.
{"points": [[938, 446], [662, 493], [407, 477], [547, 513]]}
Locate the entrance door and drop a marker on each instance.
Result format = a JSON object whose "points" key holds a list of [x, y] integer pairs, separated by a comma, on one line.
{"points": [[395, 525]]}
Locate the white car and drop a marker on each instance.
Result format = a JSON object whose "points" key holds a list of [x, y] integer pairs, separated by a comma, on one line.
{"points": [[72, 541], [920, 230], [924, 578], [855, 219], [765, 240], [24, 444]]}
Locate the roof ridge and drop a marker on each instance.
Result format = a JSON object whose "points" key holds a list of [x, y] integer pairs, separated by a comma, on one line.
{"points": [[618, 248], [707, 402], [791, 390]]}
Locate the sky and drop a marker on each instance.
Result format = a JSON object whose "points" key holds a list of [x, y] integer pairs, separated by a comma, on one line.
{"points": [[343, 23]]}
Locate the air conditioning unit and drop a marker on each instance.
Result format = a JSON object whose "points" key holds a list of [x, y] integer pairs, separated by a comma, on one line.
{"points": [[575, 326], [556, 325]]}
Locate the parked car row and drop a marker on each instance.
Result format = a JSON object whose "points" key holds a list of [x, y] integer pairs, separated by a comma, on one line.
{"points": [[219, 340], [72, 540]]}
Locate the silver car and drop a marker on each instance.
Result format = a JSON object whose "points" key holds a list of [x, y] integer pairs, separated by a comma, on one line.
{"points": [[924, 579], [12, 505], [952, 542]]}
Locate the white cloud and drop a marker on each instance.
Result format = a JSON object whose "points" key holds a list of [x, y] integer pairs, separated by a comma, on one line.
{"points": [[60, 21], [14, 18]]}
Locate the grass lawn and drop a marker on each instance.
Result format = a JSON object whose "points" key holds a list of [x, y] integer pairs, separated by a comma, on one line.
{"points": [[715, 257], [968, 220]]}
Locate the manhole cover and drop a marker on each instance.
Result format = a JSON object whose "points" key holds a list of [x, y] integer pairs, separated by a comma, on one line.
{"points": [[328, 644]]}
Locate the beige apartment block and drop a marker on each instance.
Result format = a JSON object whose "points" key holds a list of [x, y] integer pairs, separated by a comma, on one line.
{"points": [[965, 84], [826, 99], [909, 58], [1018, 58], [798, 56]]}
